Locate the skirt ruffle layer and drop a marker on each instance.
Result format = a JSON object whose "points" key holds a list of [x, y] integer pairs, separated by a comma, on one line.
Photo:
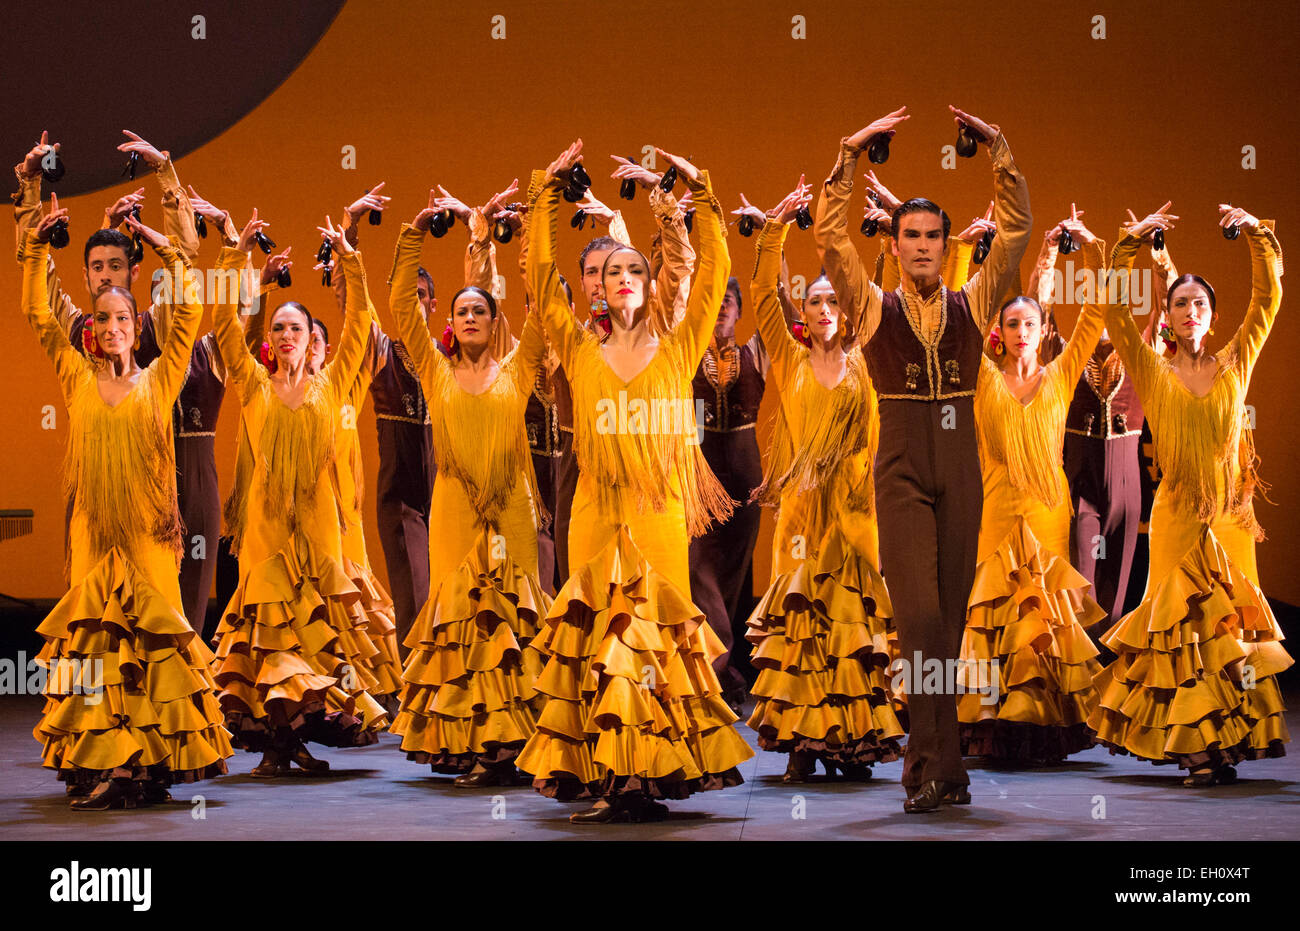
{"points": [[295, 655], [1194, 679], [1027, 618], [128, 693], [468, 692], [633, 704], [823, 641]]}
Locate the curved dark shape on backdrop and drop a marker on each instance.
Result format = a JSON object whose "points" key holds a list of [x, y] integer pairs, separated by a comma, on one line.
{"points": [[87, 69]]}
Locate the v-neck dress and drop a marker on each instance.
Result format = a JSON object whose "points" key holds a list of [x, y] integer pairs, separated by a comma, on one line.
{"points": [[1194, 679], [129, 692], [1028, 606], [468, 693]]}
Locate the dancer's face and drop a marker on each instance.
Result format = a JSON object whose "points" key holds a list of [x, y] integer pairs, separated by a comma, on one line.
{"points": [[821, 311], [626, 282], [1190, 314], [471, 321], [108, 267], [1022, 331], [319, 349], [725, 328], [920, 246], [592, 285], [290, 337], [114, 325]]}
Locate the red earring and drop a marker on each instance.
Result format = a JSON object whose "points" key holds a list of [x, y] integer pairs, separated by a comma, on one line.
{"points": [[88, 340], [799, 330], [449, 341], [267, 358]]}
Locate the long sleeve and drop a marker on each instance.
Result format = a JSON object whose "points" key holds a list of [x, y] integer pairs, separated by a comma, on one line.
{"points": [[544, 278], [859, 297], [177, 211], [241, 368], [956, 263], [1088, 326], [1013, 219], [356, 326], [68, 363], [528, 356], [184, 313], [772, 328], [696, 328], [28, 214], [404, 305], [1140, 360], [677, 259], [1265, 294]]}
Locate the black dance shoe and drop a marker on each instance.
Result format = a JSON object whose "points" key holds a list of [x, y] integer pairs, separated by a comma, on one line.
{"points": [[308, 763], [936, 792], [498, 775], [800, 767], [1220, 776], [111, 793]]}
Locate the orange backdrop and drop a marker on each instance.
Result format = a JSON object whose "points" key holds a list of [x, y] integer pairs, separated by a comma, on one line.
{"points": [[1159, 109]]}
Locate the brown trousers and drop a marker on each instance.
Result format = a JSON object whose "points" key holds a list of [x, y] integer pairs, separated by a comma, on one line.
{"points": [[402, 494], [200, 505], [1106, 487], [929, 497]]}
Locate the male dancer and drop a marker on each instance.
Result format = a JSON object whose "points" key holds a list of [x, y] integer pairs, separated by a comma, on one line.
{"points": [[922, 343]]}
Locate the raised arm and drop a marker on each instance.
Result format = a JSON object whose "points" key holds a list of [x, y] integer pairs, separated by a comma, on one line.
{"points": [[859, 296], [404, 305], [541, 273], [677, 261], [1265, 282], [526, 360], [68, 363], [356, 325], [1091, 320], [773, 329], [1140, 360], [1013, 221], [181, 311], [696, 328], [241, 367]]}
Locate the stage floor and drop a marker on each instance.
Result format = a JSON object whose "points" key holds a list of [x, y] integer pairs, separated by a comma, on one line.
{"points": [[374, 793]]}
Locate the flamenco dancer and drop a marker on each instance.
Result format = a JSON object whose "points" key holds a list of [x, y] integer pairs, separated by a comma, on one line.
{"points": [[293, 663], [923, 344], [1103, 437], [130, 708], [1025, 643], [1193, 682], [821, 632], [468, 696], [633, 711]]}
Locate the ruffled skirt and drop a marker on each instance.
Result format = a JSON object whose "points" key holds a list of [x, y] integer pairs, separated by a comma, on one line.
{"points": [[823, 641], [374, 612], [468, 692], [1193, 681], [295, 658], [129, 693], [633, 704], [1027, 663]]}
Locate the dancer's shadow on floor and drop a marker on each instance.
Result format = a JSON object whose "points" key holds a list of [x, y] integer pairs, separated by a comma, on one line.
{"points": [[1244, 787]]}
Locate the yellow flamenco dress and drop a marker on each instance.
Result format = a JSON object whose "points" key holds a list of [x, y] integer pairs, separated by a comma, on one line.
{"points": [[822, 632], [1194, 679], [129, 695], [633, 704], [374, 610], [1027, 662], [296, 660], [468, 694]]}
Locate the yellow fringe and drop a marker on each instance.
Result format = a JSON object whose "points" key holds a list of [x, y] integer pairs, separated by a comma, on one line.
{"points": [[634, 468], [297, 445], [1026, 439], [1208, 459], [121, 466], [831, 432], [235, 509], [481, 441]]}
